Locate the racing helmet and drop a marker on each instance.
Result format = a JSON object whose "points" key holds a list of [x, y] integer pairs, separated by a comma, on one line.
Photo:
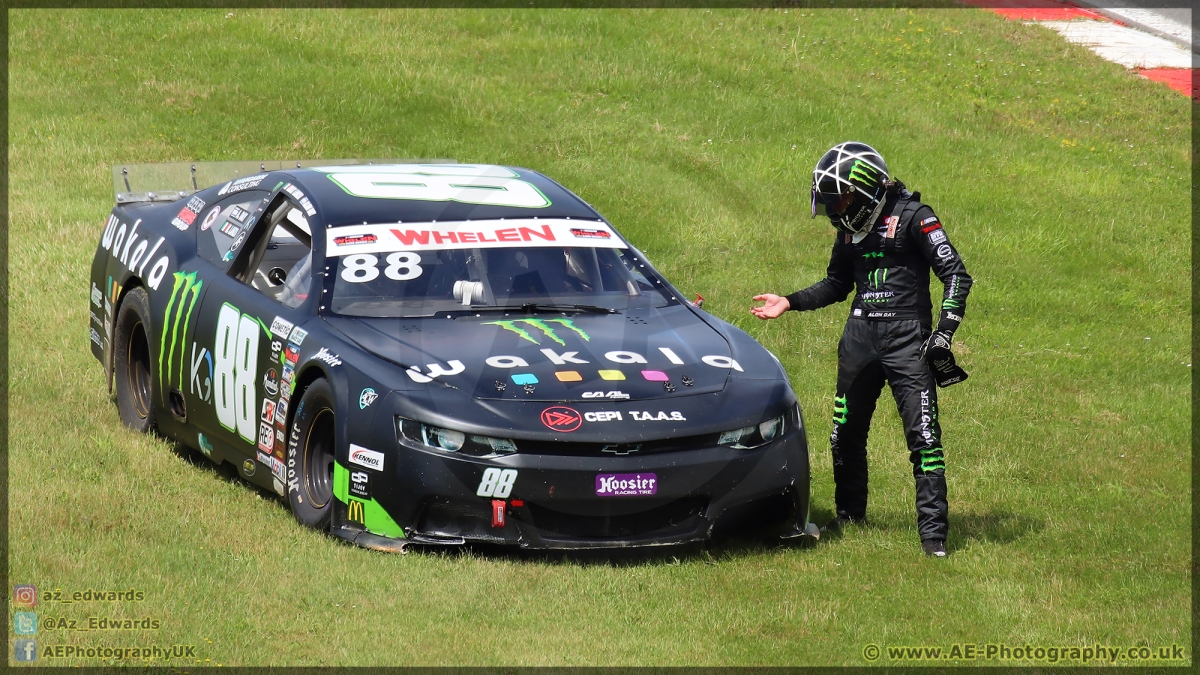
{"points": [[850, 185]]}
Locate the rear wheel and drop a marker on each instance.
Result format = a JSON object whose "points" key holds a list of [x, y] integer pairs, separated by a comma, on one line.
{"points": [[132, 365], [310, 457]]}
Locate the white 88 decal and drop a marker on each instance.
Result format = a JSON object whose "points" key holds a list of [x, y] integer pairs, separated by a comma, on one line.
{"points": [[363, 267], [363, 263], [497, 483], [409, 262]]}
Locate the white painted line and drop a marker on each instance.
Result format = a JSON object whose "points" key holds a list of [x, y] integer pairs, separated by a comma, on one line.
{"points": [[1126, 46]]}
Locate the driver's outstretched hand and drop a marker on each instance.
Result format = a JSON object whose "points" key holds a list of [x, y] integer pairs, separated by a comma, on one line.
{"points": [[773, 306]]}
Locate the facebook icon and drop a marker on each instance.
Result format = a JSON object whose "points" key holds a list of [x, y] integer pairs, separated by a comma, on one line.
{"points": [[25, 650]]}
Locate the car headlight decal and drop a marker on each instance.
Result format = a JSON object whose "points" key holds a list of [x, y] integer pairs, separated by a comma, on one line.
{"points": [[449, 440], [747, 438]]}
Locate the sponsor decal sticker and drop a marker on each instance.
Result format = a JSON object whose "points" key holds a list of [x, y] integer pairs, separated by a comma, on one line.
{"points": [[937, 236], [435, 370], [944, 252], [660, 416], [366, 398], [524, 378], [266, 436], [281, 327], [244, 183], [248, 467], [518, 326], [611, 375], [655, 376], [326, 356], [366, 458], [210, 218], [292, 355], [614, 395], [271, 383], [230, 229], [556, 232], [360, 484], [568, 376], [97, 295], [355, 239], [239, 215], [891, 222], [561, 418], [626, 484], [268, 412], [134, 258], [205, 446], [299, 196], [238, 241], [297, 336], [281, 410], [603, 416], [930, 219], [591, 234]]}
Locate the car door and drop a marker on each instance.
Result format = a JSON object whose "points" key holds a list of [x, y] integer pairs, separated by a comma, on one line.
{"points": [[248, 316]]}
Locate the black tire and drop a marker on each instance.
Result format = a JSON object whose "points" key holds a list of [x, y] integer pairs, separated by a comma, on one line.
{"points": [[132, 363], [310, 457]]}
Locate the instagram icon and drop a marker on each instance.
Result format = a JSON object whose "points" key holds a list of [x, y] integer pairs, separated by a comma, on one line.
{"points": [[25, 595]]}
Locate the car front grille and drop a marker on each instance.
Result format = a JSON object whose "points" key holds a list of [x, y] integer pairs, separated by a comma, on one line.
{"points": [[616, 449]]}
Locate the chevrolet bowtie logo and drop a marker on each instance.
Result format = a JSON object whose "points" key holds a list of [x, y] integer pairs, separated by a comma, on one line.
{"points": [[541, 325], [621, 448]]}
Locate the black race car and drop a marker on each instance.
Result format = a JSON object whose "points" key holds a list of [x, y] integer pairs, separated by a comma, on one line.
{"points": [[441, 354]]}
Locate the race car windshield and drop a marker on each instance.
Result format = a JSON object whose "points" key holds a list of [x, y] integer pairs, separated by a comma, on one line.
{"points": [[423, 269]]}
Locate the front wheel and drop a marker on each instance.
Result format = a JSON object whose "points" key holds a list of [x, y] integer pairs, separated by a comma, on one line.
{"points": [[134, 370], [310, 457]]}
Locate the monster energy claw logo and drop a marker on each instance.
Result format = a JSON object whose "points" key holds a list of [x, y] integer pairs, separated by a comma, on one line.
{"points": [[932, 459], [541, 325], [878, 278], [864, 172], [840, 410], [185, 284]]}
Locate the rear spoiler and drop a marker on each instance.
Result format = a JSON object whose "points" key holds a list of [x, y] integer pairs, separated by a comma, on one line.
{"points": [[169, 181]]}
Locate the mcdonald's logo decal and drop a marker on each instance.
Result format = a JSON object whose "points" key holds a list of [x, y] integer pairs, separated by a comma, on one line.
{"points": [[356, 512]]}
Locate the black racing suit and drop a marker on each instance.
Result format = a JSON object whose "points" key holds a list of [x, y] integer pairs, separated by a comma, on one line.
{"points": [[889, 321]]}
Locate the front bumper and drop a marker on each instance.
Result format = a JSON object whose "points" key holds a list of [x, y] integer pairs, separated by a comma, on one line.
{"points": [[553, 501]]}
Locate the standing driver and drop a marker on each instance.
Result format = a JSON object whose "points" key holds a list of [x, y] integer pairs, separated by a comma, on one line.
{"points": [[885, 245]]}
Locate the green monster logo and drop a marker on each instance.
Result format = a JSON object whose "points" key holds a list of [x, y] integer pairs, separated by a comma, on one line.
{"points": [[185, 284], [932, 459], [877, 278], [950, 303], [540, 325], [840, 410], [864, 172]]}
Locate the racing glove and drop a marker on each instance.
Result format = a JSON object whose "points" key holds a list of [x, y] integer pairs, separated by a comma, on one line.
{"points": [[936, 352]]}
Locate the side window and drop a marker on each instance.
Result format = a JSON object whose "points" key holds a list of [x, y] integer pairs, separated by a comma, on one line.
{"points": [[224, 227], [280, 267]]}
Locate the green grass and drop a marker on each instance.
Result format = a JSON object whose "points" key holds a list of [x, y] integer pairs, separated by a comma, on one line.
{"points": [[1062, 179]]}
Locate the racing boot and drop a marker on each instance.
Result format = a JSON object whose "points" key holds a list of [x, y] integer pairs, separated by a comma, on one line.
{"points": [[835, 526], [934, 547]]}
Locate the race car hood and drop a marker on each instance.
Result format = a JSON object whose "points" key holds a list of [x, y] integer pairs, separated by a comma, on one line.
{"points": [[638, 354]]}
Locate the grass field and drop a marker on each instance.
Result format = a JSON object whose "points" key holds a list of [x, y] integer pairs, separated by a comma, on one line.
{"points": [[1063, 180]]}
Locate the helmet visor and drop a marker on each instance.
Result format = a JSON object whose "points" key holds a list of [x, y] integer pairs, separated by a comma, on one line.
{"points": [[826, 204]]}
